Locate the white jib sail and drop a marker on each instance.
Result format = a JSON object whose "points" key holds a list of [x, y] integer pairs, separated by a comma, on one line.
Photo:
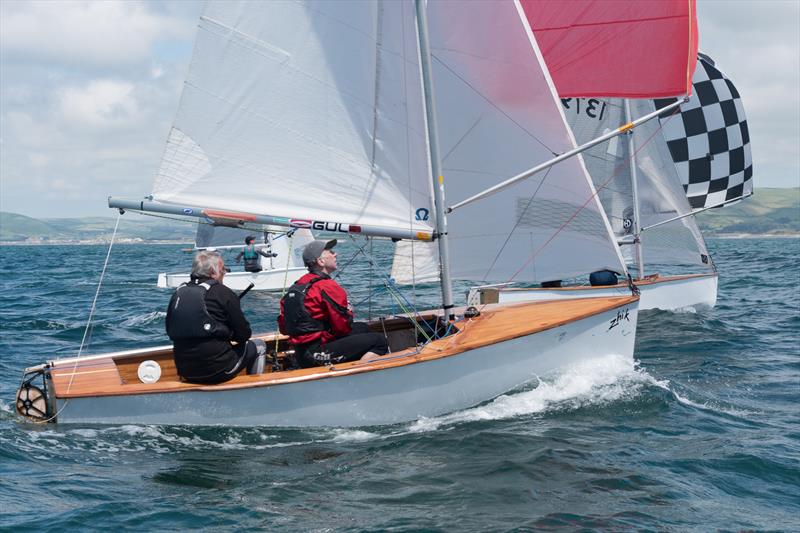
{"points": [[661, 195], [499, 115], [303, 110]]}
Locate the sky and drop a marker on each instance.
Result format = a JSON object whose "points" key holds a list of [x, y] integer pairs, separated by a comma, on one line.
{"points": [[88, 91]]}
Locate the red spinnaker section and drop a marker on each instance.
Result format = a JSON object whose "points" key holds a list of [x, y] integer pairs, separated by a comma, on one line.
{"points": [[620, 48]]}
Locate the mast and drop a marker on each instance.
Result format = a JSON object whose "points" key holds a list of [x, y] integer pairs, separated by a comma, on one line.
{"points": [[433, 145], [635, 191]]}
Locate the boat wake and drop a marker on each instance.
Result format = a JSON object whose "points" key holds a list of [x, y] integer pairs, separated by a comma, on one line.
{"points": [[710, 406], [598, 381]]}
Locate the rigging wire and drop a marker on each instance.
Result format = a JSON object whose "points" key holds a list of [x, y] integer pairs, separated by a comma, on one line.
{"points": [[371, 268], [402, 302], [285, 281], [89, 325], [489, 101]]}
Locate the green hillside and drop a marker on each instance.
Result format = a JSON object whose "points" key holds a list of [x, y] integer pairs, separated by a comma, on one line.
{"points": [[770, 211], [15, 228]]}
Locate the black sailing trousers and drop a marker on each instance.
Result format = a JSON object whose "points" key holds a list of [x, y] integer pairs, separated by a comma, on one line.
{"points": [[360, 341]]}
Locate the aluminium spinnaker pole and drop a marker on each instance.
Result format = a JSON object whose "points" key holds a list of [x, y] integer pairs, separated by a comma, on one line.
{"points": [[433, 146], [635, 192], [566, 155]]}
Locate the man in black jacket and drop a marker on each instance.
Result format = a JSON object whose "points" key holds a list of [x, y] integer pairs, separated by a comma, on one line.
{"points": [[203, 317]]}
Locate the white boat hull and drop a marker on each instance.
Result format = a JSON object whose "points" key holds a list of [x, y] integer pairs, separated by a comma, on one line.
{"points": [[421, 388], [671, 293], [266, 280]]}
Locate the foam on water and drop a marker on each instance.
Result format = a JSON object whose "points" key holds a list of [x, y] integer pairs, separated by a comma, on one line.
{"points": [[596, 381], [6, 407], [143, 320], [714, 407], [348, 435]]}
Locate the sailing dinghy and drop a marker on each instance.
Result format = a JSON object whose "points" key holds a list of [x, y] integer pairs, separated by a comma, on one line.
{"points": [[282, 260], [652, 183], [332, 116]]}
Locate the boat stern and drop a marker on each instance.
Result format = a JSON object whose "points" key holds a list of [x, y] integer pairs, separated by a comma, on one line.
{"points": [[34, 401]]}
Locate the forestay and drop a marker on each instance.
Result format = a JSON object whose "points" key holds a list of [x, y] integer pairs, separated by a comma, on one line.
{"points": [[309, 111]]}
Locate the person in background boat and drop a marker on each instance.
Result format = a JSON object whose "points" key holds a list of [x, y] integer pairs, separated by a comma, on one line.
{"points": [[251, 253], [316, 316], [203, 317]]}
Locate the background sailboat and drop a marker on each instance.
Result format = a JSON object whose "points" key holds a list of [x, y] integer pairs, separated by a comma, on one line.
{"points": [[702, 150], [324, 115], [284, 264]]}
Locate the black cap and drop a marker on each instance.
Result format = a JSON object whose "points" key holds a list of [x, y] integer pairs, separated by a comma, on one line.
{"points": [[314, 249]]}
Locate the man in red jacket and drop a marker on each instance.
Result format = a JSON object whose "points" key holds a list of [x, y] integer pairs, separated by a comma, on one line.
{"points": [[316, 316]]}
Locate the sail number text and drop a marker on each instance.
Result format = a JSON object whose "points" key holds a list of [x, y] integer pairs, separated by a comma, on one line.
{"points": [[592, 107]]}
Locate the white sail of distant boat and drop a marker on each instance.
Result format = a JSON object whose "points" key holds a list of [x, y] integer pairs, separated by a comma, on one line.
{"points": [[280, 263], [700, 155], [335, 116]]}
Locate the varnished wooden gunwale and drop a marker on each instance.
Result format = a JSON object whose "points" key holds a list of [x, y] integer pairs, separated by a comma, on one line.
{"points": [[497, 323], [647, 280]]}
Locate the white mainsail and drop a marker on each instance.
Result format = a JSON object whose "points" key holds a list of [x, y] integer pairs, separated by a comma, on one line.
{"points": [[303, 110], [498, 116]]}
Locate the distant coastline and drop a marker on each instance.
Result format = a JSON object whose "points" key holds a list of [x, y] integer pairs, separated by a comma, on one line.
{"points": [[794, 235], [768, 213], [93, 242]]}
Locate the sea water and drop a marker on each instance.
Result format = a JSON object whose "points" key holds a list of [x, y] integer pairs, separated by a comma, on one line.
{"points": [[700, 431]]}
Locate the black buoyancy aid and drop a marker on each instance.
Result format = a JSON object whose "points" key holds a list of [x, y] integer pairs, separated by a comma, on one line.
{"points": [[297, 319], [189, 317]]}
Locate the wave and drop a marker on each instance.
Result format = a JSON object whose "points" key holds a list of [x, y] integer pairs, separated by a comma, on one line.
{"points": [[713, 407], [599, 381], [145, 319]]}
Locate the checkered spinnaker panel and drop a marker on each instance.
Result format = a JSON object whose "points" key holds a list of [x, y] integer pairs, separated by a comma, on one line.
{"points": [[709, 139]]}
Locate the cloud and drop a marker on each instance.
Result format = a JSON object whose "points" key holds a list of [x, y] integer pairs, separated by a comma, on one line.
{"points": [[99, 104], [87, 94], [105, 33], [88, 91], [757, 45]]}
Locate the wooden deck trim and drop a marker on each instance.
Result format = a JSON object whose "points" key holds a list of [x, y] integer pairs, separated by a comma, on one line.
{"points": [[497, 323], [72, 376]]}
